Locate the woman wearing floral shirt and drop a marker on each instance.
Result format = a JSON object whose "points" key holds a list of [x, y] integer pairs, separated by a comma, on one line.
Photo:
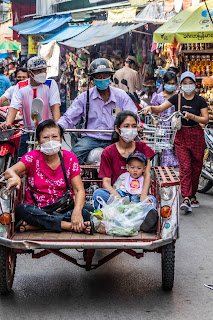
{"points": [[45, 181]]}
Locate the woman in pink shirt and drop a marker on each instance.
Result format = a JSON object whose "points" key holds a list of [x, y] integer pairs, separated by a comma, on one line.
{"points": [[46, 184]]}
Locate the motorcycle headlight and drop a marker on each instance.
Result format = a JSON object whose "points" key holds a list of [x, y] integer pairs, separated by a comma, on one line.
{"points": [[166, 193]]}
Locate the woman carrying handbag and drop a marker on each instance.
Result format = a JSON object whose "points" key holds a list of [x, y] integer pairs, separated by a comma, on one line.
{"points": [[53, 178], [189, 140]]}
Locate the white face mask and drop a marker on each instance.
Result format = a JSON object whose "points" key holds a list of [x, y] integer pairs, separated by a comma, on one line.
{"points": [[50, 147], [40, 77], [188, 88], [128, 135]]}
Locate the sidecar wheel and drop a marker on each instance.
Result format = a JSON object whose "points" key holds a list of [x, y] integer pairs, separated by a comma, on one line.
{"points": [[168, 266], [7, 269]]}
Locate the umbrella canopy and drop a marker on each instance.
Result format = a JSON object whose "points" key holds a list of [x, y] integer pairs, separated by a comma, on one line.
{"points": [[189, 26], [10, 45]]}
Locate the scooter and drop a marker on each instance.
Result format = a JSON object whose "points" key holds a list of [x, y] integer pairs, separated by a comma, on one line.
{"points": [[9, 144], [206, 177]]}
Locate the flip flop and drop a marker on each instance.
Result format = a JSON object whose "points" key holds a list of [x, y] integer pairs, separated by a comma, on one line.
{"points": [[20, 224], [91, 225]]}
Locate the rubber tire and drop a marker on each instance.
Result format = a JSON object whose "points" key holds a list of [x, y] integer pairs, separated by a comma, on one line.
{"points": [[168, 266], [208, 186], [7, 269]]}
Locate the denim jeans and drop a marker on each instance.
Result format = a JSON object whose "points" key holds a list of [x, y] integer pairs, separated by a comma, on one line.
{"points": [[105, 195], [82, 148], [23, 145], [36, 217]]}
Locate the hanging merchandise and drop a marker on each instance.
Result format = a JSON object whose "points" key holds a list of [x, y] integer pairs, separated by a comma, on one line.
{"points": [[178, 5], [169, 5], [186, 4], [50, 52]]}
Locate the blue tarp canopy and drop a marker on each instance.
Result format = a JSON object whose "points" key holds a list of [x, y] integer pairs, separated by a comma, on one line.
{"points": [[99, 33], [26, 25], [46, 25], [68, 33]]}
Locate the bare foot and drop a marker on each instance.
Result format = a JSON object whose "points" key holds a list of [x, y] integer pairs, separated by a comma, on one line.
{"points": [[67, 226]]}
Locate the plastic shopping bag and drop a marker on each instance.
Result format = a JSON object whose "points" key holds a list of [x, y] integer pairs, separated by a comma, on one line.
{"points": [[124, 218]]}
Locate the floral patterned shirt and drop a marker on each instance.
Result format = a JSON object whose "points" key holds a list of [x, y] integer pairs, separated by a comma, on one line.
{"points": [[46, 184]]}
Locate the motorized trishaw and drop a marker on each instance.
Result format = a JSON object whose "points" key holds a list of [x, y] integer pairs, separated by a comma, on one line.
{"points": [[165, 187]]}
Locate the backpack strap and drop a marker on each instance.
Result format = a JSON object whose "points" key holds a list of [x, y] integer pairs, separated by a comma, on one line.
{"points": [[64, 171], [87, 108]]}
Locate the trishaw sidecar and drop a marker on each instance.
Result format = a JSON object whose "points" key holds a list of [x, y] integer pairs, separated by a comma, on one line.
{"points": [[164, 187]]}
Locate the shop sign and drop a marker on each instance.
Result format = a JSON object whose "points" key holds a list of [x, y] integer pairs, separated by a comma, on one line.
{"points": [[138, 3], [121, 15], [33, 40]]}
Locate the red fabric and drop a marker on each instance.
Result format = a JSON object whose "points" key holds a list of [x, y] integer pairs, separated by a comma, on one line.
{"points": [[20, 8], [24, 83], [113, 164], [189, 146], [34, 93]]}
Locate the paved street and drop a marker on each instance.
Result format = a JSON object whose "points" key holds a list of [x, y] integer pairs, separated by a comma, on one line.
{"points": [[125, 288]]}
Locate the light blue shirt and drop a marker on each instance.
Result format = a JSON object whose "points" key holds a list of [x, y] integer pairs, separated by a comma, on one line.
{"points": [[101, 114]]}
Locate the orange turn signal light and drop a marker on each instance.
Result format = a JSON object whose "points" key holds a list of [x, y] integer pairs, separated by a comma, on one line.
{"points": [[166, 211], [5, 218]]}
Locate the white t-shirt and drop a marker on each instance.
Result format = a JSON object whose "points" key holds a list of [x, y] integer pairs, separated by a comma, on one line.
{"points": [[9, 93], [24, 94]]}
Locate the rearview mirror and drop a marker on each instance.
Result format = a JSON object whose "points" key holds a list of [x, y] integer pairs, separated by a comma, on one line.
{"points": [[37, 110]]}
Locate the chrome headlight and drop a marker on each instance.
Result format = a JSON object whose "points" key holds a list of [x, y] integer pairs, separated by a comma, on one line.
{"points": [[166, 193]]}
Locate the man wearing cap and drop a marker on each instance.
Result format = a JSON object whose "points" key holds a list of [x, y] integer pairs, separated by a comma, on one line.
{"points": [[37, 86], [99, 105], [131, 76]]}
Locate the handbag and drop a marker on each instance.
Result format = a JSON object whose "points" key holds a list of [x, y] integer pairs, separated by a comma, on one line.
{"points": [[65, 202], [176, 119]]}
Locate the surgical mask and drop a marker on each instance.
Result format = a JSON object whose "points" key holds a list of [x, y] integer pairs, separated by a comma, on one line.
{"points": [[169, 87], [102, 84], [188, 88], [128, 135], [50, 147], [40, 77]]}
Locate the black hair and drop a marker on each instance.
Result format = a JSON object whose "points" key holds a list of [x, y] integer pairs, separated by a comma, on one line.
{"points": [[174, 69], [20, 69], [121, 116], [1, 70], [168, 76], [50, 123]]}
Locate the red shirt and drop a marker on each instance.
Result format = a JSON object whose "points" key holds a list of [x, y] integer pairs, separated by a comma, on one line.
{"points": [[113, 164]]}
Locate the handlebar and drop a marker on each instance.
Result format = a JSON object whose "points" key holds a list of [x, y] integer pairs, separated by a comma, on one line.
{"points": [[155, 117]]}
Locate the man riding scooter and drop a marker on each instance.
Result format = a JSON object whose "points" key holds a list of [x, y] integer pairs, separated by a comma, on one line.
{"points": [[99, 105], [37, 86]]}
